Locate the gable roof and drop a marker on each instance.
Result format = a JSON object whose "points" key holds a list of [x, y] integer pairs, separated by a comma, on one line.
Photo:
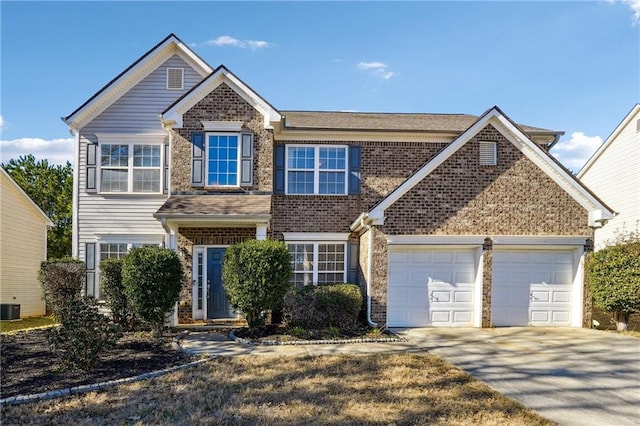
{"points": [[371, 121], [624, 123], [598, 211], [8, 177], [174, 112], [132, 75]]}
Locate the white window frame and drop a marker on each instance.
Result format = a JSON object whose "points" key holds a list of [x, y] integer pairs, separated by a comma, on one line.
{"points": [[316, 169], [238, 159], [337, 239], [130, 141]]}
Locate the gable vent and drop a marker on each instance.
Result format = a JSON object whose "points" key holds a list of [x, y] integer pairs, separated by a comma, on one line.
{"points": [[175, 78], [488, 154]]}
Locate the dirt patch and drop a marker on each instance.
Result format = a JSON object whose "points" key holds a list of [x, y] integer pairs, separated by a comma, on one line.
{"points": [[606, 321], [28, 366]]}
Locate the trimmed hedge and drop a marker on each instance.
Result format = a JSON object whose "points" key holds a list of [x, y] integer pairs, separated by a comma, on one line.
{"points": [[62, 281], [256, 277], [324, 305], [113, 293]]}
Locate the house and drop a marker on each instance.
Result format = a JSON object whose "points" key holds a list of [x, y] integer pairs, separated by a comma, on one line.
{"points": [[614, 173], [442, 219], [23, 246]]}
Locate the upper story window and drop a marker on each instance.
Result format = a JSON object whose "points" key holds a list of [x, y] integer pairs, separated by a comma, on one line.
{"points": [[175, 78], [316, 169], [222, 159], [128, 167]]}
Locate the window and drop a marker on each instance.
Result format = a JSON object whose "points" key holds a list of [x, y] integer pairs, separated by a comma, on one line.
{"points": [[488, 154], [119, 250], [175, 78], [222, 159], [316, 169], [315, 263], [130, 167]]}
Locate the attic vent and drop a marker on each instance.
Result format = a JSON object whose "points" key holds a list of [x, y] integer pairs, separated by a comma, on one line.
{"points": [[175, 78], [488, 154]]}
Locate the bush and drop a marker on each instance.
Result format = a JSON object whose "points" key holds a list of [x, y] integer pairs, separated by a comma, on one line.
{"points": [[83, 334], [113, 293], [152, 279], [256, 277], [614, 277], [322, 306], [62, 281]]}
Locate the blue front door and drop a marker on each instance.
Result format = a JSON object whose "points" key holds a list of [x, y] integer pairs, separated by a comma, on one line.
{"points": [[217, 303]]}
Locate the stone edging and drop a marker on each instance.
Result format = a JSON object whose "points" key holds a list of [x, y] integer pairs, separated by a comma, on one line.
{"points": [[315, 342], [77, 390]]}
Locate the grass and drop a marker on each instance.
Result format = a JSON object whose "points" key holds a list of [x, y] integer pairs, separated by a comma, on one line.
{"points": [[372, 389], [26, 323]]}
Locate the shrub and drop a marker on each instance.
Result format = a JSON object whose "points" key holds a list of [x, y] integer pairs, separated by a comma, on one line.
{"points": [[321, 306], [614, 277], [152, 279], [83, 334], [256, 277], [112, 290], [62, 281]]}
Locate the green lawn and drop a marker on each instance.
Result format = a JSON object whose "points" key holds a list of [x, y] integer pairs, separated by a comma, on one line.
{"points": [[7, 326]]}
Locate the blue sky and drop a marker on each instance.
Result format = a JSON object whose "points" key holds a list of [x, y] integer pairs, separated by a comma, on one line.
{"points": [[571, 66]]}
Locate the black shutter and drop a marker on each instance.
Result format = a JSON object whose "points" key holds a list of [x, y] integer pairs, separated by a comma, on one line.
{"points": [[197, 160], [246, 160], [352, 263], [92, 152], [354, 169], [279, 170]]}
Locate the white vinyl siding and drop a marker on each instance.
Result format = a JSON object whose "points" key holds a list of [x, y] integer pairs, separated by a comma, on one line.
{"points": [[23, 244], [615, 178], [137, 110]]}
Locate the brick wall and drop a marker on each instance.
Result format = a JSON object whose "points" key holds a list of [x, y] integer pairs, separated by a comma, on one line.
{"points": [[187, 238], [222, 104]]}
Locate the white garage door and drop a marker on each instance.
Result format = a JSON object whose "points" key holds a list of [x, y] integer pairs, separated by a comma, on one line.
{"points": [[531, 287], [430, 287]]}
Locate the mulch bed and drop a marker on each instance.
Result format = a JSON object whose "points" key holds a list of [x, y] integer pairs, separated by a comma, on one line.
{"points": [[28, 366], [280, 333]]}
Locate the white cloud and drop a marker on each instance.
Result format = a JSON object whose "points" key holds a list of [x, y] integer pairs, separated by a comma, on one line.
{"points": [[378, 69], [226, 40], [56, 151], [574, 152], [1, 123]]}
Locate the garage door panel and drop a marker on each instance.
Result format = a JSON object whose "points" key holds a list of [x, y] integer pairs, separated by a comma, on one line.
{"points": [[532, 287], [445, 279]]}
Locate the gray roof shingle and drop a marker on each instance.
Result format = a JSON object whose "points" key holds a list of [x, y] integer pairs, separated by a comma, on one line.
{"points": [[215, 205]]}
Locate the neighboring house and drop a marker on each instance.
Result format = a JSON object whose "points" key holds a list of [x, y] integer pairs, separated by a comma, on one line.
{"points": [[613, 172], [442, 219], [23, 246]]}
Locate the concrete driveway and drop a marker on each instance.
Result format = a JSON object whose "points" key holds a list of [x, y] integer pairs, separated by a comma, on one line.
{"points": [[571, 376]]}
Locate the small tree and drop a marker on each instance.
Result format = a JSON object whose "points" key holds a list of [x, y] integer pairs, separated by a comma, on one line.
{"points": [[112, 291], [83, 335], [256, 277], [152, 279], [614, 276], [62, 281]]}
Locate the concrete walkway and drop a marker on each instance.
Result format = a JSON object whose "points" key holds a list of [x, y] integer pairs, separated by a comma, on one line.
{"points": [[571, 376]]}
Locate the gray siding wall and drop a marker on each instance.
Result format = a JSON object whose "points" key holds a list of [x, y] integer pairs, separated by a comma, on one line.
{"points": [[137, 111]]}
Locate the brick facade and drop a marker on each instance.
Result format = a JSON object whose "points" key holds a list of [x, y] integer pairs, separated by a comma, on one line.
{"points": [[222, 104], [189, 237], [460, 197]]}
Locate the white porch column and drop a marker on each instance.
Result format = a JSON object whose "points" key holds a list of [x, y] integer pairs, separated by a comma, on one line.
{"points": [[261, 231]]}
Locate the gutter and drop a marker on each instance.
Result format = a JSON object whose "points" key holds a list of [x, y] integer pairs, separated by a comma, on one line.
{"points": [[369, 228]]}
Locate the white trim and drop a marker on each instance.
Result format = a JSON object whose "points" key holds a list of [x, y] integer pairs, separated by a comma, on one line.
{"points": [[316, 168], [461, 240], [261, 231], [173, 117], [525, 145], [316, 236], [130, 238], [75, 235], [503, 240], [623, 124], [222, 126], [152, 60], [137, 138]]}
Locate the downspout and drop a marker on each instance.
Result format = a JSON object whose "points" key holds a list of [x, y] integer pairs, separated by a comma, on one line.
{"points": [[75, 237], [369, 271]]}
